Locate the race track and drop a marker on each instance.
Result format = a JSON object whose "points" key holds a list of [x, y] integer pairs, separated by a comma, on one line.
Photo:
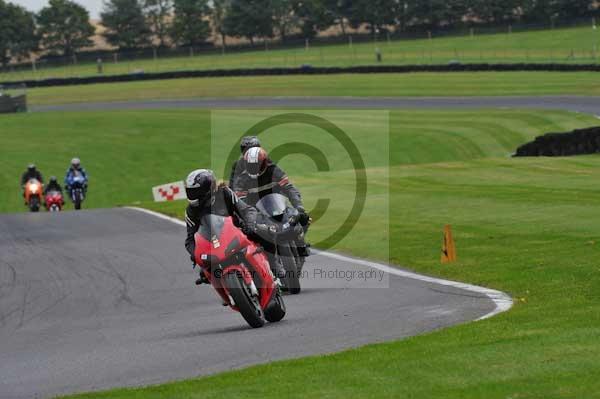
{"points": [[589, 105], [105, 298]]}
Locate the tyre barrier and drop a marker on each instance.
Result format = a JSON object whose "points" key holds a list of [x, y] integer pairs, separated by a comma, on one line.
{"points": [[577, 142], [9, 104], [310, 70]]}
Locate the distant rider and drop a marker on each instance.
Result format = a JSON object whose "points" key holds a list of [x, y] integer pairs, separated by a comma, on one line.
{"points": [[53, 186], [74, 170], [237, 168], [261, 177], [31, 173], [205, 198]]}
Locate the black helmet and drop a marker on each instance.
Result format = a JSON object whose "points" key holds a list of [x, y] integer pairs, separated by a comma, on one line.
{"points": [[200, 186], [31, 167], [249, 142], [53, 179]]}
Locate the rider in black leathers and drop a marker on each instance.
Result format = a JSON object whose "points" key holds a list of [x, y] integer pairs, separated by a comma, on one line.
{"points": [[261, 177], [206, 198], [53, 186], [31, 173]]}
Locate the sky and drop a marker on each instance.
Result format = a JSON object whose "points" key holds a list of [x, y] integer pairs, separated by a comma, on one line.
{"points": [[93, 6]]}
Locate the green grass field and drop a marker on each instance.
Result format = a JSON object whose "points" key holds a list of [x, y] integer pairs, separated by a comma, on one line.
{"points": [[525, 226], [573, 45], [376, 85]]}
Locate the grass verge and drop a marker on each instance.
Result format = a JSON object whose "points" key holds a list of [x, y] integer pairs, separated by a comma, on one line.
{"points": [[375, 85]]}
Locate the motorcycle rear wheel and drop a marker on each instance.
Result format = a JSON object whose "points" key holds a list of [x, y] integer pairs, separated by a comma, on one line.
{"points": [[244, 300]]}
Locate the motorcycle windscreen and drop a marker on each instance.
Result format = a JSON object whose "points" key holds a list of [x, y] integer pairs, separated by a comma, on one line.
{"points": [[77, 180], [211, 227], [272, 205]]}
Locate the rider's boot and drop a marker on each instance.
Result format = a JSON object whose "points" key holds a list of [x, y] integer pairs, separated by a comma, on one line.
{"points": [[303, 248], [202, 279]]}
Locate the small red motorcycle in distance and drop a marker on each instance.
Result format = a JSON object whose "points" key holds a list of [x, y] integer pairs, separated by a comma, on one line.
{"points": [[238, 270], [54, 201]]}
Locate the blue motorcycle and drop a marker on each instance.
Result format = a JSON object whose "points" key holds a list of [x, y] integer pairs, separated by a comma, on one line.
{"points": [[77, 188]]}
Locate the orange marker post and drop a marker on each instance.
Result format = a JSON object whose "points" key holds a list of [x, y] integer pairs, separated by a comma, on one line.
{"points": [[448, 246]]}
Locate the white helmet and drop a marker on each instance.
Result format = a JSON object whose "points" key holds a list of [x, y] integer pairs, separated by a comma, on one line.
{"points": [[75, 163], [256, 162]]}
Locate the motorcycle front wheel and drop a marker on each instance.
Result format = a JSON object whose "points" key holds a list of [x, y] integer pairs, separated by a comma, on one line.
{"points": [[292, 276], [34, 204], [244, 300], [77, 200]]}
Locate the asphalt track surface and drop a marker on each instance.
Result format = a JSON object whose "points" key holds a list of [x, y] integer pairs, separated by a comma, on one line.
{"points": [[97, 299], [584, 104]]}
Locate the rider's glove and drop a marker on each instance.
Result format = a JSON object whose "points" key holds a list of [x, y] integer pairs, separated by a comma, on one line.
{"points": [[303, 217], [267, 229], [249, 228]]}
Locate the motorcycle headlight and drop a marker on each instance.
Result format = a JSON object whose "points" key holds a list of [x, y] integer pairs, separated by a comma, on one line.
{"points": [[34, 188]]}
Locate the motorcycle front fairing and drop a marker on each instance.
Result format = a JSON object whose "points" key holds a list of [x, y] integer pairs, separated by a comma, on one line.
{"points": [[54, 198], [222, 248], [273, 205], [33, 188], [275, 209], [76, 182]]}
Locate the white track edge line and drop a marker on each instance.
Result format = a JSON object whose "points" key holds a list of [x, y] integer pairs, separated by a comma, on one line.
{"points": [[502, 300]]}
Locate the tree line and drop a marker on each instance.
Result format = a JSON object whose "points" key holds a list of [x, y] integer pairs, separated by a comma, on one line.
{"points": [[63, 27]]}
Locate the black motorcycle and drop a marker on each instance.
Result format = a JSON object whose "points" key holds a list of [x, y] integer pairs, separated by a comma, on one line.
{"points": [[275, 211]]}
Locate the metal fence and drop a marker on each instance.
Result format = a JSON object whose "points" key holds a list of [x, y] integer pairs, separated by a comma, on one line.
{"points": [[386, 47]]}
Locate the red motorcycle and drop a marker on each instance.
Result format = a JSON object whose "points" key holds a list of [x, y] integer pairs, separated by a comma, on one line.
{"points": [[54, 201], [238, 270]]}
